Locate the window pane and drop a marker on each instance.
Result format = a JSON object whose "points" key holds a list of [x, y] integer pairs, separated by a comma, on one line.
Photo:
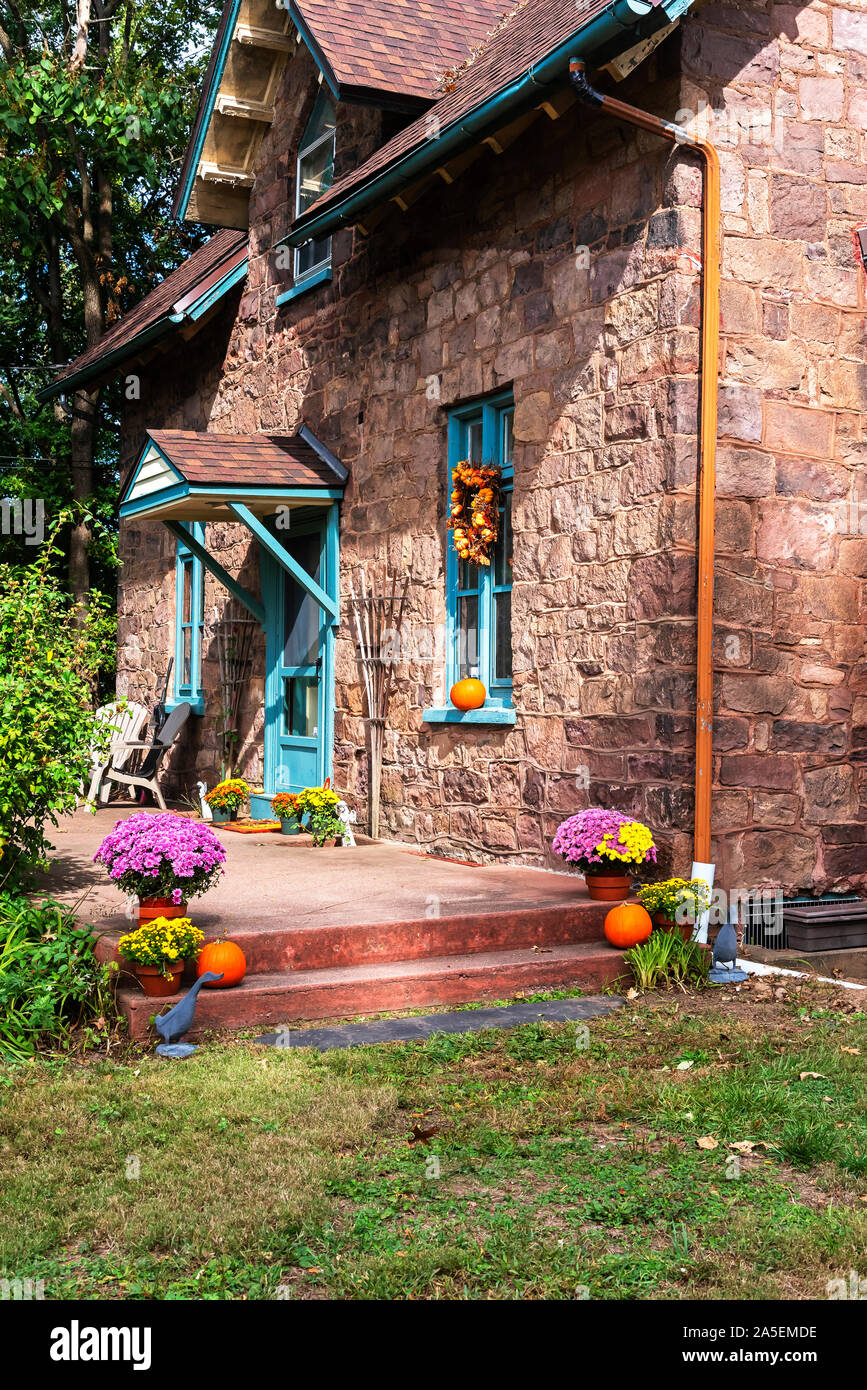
{"points": [[315, 174], [503, 636], [508, 438], [468, 576], [186, 591], [502, 566], [301, 706], [187, 640], [474, 441], [312, 254], [468, 636]]}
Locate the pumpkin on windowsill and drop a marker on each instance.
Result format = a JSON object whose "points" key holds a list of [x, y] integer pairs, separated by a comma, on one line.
{"points": [[468, 694], [224, 958]]}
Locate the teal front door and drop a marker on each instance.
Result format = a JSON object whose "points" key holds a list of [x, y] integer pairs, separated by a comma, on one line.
{"points": [[299, 698]]}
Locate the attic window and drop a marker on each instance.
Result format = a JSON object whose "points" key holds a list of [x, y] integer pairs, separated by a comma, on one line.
{"points": [[315, 174]]}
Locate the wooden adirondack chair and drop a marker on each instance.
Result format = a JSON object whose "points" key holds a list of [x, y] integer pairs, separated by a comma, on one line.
{"points": [[126, 721], [154, 752]]}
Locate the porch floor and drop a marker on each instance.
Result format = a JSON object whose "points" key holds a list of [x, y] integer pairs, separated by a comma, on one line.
{"points": [[335, 932]]}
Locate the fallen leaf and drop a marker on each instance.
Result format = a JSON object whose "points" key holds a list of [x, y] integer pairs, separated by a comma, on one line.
{"points": [[542, 950], [420, 1135], [707, 1141], [815, 1075], [853, 1051], [743, 1146], [684, 1066], [632, 993]]}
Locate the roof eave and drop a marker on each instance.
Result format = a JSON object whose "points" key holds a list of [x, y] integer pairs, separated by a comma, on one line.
{"points": [[617, 21]]}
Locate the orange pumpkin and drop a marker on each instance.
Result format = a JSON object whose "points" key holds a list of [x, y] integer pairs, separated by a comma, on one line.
{"points": [[225, 958], [468, 694], [627, 925]]}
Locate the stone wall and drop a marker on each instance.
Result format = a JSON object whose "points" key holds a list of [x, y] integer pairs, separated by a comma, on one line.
{"points": [[784, 87], [566, 268]]}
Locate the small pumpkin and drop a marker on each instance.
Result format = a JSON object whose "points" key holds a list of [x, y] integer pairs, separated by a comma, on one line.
{"points": [[627, 925], [468, 694], [225, 958]]}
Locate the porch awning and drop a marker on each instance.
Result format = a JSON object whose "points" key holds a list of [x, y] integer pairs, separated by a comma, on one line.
{"points": [[193, 475]]}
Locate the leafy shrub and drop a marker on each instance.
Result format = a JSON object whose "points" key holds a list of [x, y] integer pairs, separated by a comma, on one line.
{"points": [[50, 980], [49, 658], [666, 959]]}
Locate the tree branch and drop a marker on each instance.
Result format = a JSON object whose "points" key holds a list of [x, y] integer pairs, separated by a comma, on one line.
{"points": [[79, 50]]}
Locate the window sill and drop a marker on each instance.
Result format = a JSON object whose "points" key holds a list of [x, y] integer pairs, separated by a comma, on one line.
{"points": [[195, 702], [488, 714], [320, 277]]}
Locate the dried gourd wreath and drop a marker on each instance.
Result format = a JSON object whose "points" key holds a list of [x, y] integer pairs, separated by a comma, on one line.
{"points": [[475, 510]]}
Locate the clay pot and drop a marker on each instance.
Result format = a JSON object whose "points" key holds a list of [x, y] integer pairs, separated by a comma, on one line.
{"points": [[157, 985], [151, 908], [608, 888], [669, 924]]}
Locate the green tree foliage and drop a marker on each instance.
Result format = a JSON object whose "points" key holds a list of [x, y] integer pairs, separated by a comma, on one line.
{"points": [[96, 101], [48, 665]]}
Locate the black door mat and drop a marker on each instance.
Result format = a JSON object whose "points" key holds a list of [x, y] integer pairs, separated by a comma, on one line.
{"points": [[380, 1030]]}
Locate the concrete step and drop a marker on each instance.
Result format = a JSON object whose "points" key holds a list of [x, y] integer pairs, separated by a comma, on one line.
{"points": [[273, 944], [281, 997]]}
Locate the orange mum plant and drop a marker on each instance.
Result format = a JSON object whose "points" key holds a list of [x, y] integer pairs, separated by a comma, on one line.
{"points": [[475, 511]]}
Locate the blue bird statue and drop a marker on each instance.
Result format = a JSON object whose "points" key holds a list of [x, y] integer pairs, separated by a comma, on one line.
{"points": [[724, 969], [179, 1020]]}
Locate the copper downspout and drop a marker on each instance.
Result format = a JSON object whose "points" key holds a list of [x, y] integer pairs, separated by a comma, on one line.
{"points": [[632, 115]]}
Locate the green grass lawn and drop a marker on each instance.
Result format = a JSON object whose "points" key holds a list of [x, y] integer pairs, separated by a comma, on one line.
{"points": [[556, 1171]]}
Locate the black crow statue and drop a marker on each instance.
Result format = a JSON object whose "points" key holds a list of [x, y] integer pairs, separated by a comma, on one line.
{"points": [[724, 960], [179, 1020]]}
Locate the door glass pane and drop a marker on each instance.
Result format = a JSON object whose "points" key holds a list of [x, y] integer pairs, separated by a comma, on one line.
{"points": [[302, 615], [503, 636], [502, 566], [468, 636], [301, 706]]}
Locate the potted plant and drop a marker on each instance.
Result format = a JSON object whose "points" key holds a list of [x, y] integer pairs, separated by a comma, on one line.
{"points": [[227, 798], [163, 859], [320, 804], [285, 808], [607, 848], [676, 904], [158, 950]]}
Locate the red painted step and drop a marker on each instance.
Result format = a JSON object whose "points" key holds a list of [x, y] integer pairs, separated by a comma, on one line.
{"points": [[270, 945], [269, 999]]}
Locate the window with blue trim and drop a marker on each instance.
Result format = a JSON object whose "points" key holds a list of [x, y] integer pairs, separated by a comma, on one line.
{"points": [[314, 176], [479, 598], [189, 619]]}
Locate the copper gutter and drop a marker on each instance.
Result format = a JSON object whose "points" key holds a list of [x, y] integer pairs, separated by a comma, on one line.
{"points": [[633, 115]]}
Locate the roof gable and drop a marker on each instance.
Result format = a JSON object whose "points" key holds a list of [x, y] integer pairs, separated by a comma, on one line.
{"points": [[387, 52]]}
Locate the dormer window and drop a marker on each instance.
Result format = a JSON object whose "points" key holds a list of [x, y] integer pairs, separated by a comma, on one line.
{"points": [[315, 174]]}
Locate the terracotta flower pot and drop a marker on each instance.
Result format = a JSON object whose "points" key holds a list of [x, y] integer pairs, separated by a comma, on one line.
{"points": [[157, 985], [668, 924], [151, 908], [608, 888]]}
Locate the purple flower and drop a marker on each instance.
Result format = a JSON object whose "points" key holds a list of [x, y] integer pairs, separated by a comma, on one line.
{"points": [[577, 839], [162, 855]]}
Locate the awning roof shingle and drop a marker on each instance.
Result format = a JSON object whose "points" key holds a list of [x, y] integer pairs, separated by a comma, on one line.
{"points": [[244, 460]]}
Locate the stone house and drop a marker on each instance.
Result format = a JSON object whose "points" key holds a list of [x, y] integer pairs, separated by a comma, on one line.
{"points": [[426, 247]]}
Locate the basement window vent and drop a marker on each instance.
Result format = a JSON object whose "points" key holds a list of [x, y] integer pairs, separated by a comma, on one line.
{"points": [[777, 923]]}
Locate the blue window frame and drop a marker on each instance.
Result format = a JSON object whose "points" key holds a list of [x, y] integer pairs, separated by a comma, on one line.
{"points": [[479, 599], [314, 175], [189, 621]]}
